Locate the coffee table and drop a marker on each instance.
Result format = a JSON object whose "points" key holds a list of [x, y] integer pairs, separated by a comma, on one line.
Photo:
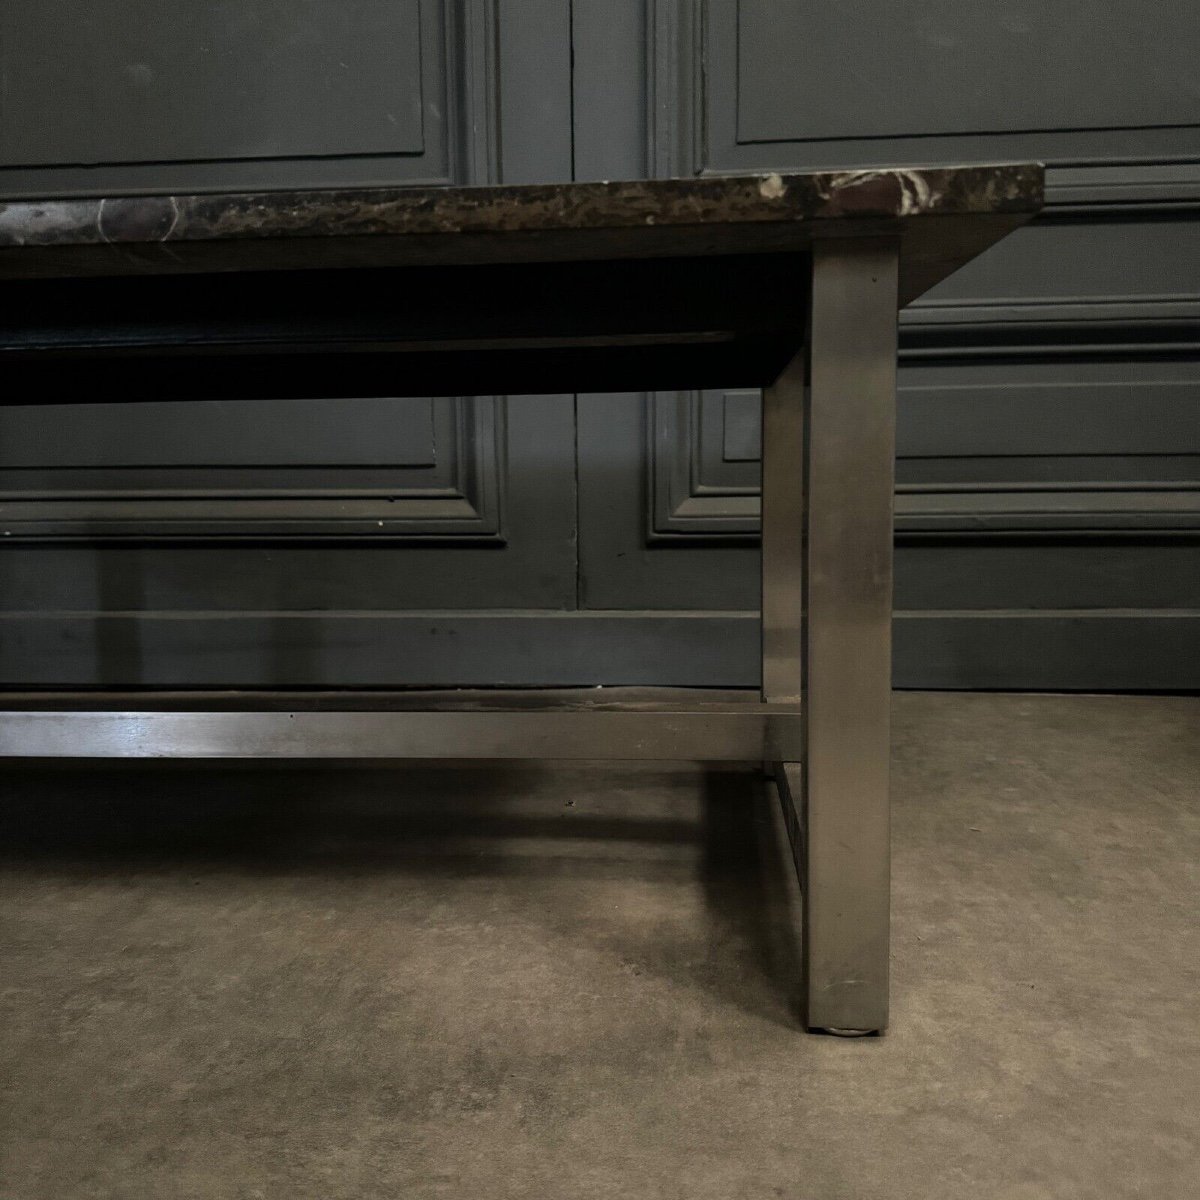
{"points": [[786, 282]]}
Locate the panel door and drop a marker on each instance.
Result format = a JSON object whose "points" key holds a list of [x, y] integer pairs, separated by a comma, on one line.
{"points": [[1048, 482], [382, 541]]}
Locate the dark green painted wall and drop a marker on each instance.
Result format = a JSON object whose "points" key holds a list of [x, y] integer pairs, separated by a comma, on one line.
{"points": [[1048, 529]]}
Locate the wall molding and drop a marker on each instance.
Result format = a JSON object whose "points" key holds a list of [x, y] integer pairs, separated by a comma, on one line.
{"points": [[675, 81], [680, 135], [473, 96], [1054, 327], [1063, 650], [462, 505], [460, 117], [458, 500], [684, 508], [687, 505]]}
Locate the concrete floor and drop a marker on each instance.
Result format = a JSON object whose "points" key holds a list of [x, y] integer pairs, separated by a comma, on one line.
{"points": [[549, 983]]}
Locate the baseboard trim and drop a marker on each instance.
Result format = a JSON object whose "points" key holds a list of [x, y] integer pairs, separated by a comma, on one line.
{"points": [[1060, 650]]}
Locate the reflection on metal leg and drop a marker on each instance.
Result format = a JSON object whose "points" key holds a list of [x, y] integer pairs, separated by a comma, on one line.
{"points": [[783, 534], [789, 782]]}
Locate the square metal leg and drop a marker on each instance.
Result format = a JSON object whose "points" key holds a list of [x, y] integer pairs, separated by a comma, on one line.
{"points": [[828, 470]]}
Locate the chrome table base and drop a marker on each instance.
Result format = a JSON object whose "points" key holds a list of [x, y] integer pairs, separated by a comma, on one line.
{"points": [[820, 726], [786, 282]]}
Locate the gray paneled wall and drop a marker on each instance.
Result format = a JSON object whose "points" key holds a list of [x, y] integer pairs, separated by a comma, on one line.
{"points": [[209, 543], [1048, 484], [225, 80], [1048, 506]]}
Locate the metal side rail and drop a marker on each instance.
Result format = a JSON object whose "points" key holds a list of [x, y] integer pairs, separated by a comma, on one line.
{"points": [[451, 726]]}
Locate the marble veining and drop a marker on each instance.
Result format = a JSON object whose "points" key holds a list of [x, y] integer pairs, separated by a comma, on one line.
{"points": [[882, 194]]}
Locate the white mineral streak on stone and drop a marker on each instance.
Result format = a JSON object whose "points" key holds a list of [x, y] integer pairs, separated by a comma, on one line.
{"points": [[771, 187], [174, 219], [12, 230], [915, 192], [32, 224], [915, 195]]}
